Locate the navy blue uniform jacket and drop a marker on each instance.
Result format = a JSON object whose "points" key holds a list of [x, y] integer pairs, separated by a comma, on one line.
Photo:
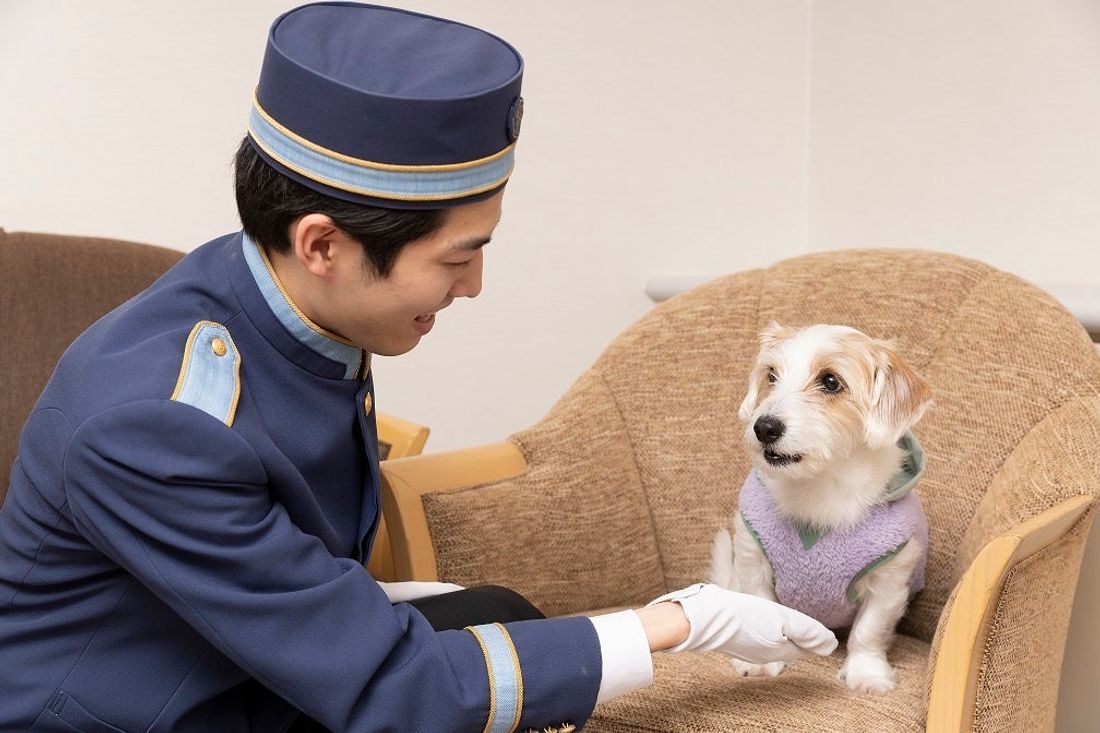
{"points": [[182, 541]]}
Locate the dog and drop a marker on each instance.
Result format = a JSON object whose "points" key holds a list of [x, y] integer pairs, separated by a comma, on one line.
{"points": [[827, 522]]}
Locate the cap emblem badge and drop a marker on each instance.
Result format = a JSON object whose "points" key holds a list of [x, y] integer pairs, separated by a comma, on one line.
{"points": [[515, 118]]}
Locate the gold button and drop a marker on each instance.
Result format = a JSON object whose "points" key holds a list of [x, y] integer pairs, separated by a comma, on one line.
{"points": [[219, 347], [368, 403]]}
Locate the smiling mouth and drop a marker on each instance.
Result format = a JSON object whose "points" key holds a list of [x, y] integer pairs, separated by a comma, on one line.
{"points": [[780, 459], [427, 318]]}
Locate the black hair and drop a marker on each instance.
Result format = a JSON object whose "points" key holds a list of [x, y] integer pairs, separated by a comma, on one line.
{"points": [[268, 201]]}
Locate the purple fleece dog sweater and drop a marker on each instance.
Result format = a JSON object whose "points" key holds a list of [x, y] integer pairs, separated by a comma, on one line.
{"points": [[816, 573]]}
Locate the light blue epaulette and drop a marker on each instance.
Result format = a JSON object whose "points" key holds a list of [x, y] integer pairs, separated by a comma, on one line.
{"points": [[210, 378]]}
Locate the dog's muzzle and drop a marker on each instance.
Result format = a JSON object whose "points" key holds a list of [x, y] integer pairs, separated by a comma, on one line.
{"points": [[780, 459], [769, 429]]}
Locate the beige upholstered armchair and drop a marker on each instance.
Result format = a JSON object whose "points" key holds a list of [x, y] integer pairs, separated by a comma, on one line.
{"points": [[54, 287], [613, 498]]}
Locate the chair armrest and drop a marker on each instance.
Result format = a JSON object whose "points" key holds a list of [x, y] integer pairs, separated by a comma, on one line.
{"points": [[400, 438], [406, 480], [964, 629]]}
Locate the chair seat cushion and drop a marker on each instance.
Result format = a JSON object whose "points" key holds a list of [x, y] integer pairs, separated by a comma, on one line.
{"points": [[702, 692]]}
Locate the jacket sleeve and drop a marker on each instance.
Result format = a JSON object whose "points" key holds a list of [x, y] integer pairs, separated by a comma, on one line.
{"points": [[181, 502]]}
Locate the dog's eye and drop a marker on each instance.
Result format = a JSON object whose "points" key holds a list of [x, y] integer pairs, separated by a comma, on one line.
{"points": [[830, 383], [772, 376]]}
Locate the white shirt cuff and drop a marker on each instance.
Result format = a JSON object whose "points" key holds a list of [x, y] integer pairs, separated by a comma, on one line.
{"points": [[627, 661]]}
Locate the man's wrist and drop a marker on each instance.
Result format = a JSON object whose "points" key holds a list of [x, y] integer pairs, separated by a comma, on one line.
{"points": [[666, 625]]}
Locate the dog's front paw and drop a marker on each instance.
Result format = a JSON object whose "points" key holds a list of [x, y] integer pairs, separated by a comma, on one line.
{"points": [[747, 669], [868, 675]]}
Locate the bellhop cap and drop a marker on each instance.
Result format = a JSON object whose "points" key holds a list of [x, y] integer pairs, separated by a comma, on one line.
{"points": [[386, 107]]}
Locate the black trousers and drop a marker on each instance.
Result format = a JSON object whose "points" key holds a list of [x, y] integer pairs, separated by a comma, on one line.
{"points": [[482, 605]]}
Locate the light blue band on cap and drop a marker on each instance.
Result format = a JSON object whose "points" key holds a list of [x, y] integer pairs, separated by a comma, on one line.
{"points": [[292, 319], [209, 377], [399, 183], [505, 677]]}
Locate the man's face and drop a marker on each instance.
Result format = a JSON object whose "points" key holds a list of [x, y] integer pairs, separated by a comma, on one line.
{"points": [[389, 316]]}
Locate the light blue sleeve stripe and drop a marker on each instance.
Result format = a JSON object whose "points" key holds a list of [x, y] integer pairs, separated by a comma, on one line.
{"points": [[210, 381], [379, 183], [505, 678]]}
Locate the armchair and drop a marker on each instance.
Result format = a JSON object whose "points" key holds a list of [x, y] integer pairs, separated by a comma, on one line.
{"points": [[55, 286], [613, 498]]}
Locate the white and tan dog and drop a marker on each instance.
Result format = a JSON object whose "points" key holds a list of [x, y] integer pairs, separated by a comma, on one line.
{"points": [[827, 523]]}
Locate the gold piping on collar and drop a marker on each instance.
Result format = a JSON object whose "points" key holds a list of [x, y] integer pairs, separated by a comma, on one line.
{"points": [[294, 306]]}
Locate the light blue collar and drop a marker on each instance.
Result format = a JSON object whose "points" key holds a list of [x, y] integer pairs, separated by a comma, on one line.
{"points": [[323, 342]]}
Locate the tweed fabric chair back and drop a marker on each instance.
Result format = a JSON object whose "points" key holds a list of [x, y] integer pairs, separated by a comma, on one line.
{"points": [[1000, 356], [54, 287]]}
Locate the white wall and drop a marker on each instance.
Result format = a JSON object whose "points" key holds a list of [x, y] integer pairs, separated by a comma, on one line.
{"points": [[659, 139]]}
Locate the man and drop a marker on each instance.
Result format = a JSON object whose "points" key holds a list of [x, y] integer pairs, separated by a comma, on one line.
{"points": [[182, 542]]}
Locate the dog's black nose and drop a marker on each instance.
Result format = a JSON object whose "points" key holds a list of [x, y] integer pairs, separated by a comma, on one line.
{"points": [[768, 429]]}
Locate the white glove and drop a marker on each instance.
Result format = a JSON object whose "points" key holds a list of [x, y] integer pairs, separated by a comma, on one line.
{"points": [[747, 627], [411, 590]]}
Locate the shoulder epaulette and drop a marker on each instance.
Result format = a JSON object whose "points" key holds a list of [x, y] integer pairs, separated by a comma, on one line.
{"points": [[210, 378]]}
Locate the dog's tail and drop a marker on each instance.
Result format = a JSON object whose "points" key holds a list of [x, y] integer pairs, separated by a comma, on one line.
{"points": [[721, 560]]}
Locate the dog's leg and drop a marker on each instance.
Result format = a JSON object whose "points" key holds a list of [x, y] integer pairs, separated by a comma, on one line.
{"points": [[721, 561], [740, 565], [883, 594]]}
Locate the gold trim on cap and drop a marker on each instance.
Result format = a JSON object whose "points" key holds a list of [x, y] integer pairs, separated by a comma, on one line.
{"points": [[375, 193], [392, 167]]}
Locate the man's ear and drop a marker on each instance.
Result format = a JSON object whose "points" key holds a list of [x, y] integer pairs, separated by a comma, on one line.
{"points": [[899, 398], [314, 239]]}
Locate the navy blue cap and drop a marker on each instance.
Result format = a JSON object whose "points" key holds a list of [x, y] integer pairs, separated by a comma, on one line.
{"points": [[386, 107]]}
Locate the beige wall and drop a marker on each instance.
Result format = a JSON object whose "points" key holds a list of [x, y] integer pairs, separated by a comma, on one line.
{"points": [[660, 139], [965, 126]]}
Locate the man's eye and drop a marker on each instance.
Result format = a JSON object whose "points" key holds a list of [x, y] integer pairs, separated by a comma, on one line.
{"points": [[830, 383], [464, 263]]}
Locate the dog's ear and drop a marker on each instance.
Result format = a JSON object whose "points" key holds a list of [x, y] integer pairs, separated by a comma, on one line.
{"points": [[749, 403], [770, 336], [899, 397], [773, 333]]}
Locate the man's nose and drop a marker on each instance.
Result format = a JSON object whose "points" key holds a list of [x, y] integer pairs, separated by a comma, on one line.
{"points": [[469, 285]]}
